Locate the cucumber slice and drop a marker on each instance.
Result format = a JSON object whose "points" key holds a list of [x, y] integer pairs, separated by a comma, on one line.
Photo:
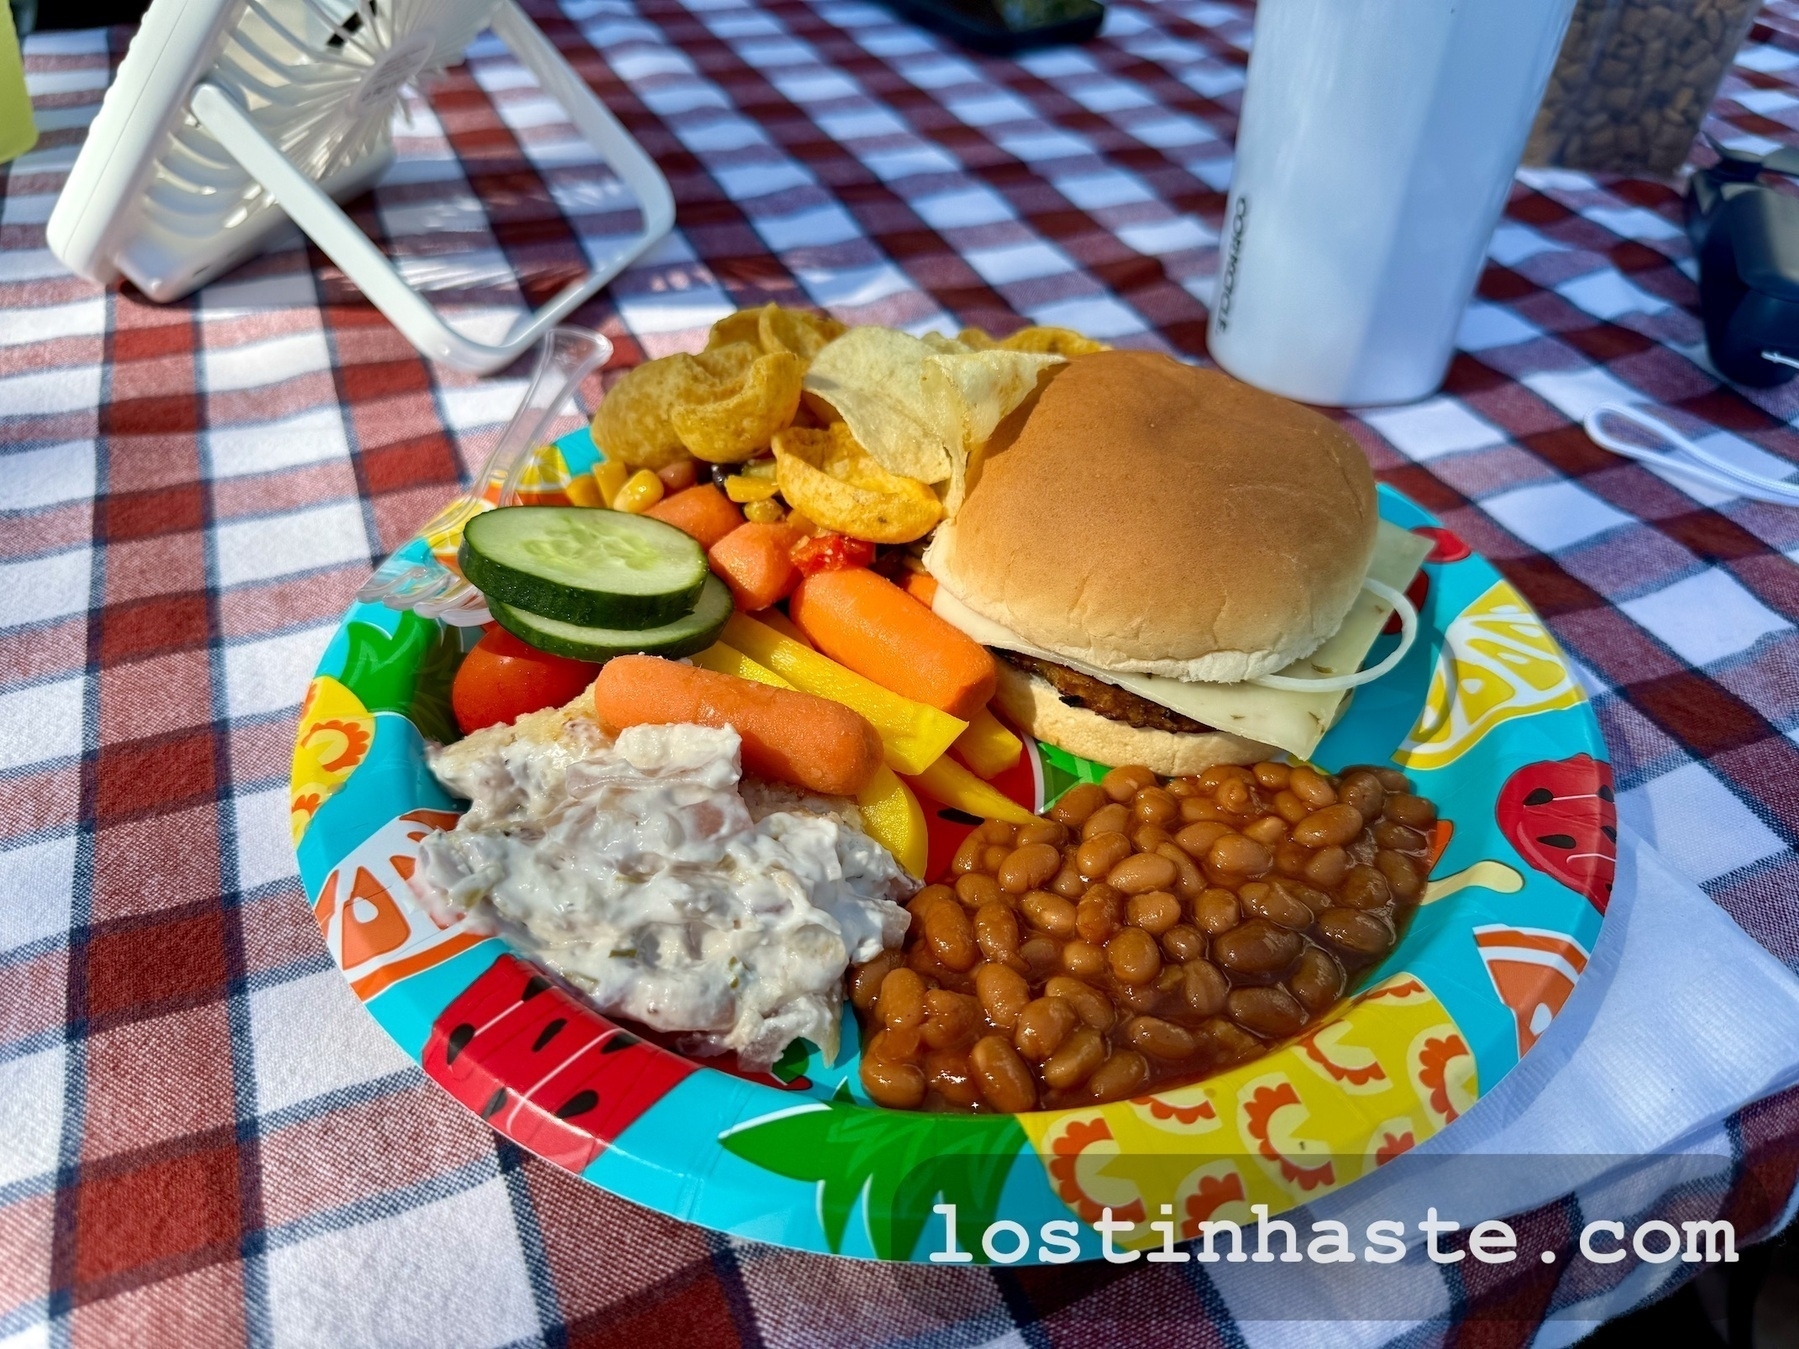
{"points": [[583, 565], [689, 633]]}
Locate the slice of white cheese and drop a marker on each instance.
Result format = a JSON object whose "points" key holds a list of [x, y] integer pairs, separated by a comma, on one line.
{"points": [[1292, 721]]}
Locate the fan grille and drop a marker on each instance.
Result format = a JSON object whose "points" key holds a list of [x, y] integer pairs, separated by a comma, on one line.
{"points": [[321, 79]]}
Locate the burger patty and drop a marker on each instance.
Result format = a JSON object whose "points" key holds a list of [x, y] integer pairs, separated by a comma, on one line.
{"points": [[1095, 695]]}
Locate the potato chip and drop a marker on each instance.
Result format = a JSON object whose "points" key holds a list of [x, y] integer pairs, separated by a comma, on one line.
{"points": [[635, 424], [814, 411], [922, 406], [872, 377], [800, 331], [739, 326], [982, 388], [838, 484], [740, 419], [1053, 341], [978, 388]]}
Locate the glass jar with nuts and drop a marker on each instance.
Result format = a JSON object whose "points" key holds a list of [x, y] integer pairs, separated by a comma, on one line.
{"points": [[1633, 82]]}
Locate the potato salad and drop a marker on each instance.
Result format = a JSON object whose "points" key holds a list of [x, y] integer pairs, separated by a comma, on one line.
{"points": [[651, 875]]}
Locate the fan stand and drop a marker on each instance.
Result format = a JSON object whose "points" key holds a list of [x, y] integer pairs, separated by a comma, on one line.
{"points": [[324, 221]]}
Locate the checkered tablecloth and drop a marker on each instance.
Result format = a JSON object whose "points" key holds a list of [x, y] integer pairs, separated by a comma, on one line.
{"points": [[203, 1138]]}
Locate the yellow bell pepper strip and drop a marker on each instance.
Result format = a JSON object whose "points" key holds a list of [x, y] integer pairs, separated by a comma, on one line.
{"points": [[948, 783], [914, 735], [729, 660], [895, 820], [988, 747], [774, 618]]}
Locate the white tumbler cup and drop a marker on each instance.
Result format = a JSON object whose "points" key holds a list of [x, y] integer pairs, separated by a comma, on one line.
{"points": [[1377, 142]]}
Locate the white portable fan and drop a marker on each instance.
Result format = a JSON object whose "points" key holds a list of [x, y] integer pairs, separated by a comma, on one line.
{"points": [[229, 117]]}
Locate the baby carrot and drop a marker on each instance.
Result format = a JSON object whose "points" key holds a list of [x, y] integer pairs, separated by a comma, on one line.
{"points": [[700, 511], [756, 561], [921, 586], [864, 621], [788, 736]]}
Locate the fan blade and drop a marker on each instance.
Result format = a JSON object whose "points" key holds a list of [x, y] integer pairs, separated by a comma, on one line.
{"points": [[263, 12], [295, 88], [289, 69], [1784, 160], [344, 34]]}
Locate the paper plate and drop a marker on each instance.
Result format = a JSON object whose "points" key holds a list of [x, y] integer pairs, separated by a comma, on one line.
{"points": [[1485, 715]]}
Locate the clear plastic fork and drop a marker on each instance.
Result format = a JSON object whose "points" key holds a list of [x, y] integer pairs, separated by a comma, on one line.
{"points": [[432, 590]]}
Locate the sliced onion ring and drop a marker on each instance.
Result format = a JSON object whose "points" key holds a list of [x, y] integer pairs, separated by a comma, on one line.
{"points": [[1408, 623]]}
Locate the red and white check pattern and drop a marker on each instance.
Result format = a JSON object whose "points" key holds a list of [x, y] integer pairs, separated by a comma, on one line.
{"points": [[203, 1139]]}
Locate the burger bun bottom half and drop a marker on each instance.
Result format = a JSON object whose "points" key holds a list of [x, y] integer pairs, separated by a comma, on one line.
{"points": [[1034, 707]]}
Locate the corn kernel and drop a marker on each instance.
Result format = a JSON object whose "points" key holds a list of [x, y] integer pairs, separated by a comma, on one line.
{"points": [[642, 490], [801, 523], [610, 475], [741, 489], [584, 491], [759, 468], [765, 512]]}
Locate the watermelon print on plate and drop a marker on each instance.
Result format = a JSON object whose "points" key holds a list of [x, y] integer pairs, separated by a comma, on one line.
{"points": [[542, 1067], [1562, 817], [1483, 702]]}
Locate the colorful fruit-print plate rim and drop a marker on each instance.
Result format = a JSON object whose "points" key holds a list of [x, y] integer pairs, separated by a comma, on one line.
{"points": [[1484, 713]]}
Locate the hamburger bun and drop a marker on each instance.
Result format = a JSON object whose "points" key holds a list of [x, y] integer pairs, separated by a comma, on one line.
{"points": [[1151, 517], [1035, 708]]}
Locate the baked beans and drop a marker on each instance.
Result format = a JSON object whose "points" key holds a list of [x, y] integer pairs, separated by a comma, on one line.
{"points": [[1030, 865], [1004, 1080], [1077, 804], [1183, 943], [976, 888], [1074, 1062], [1042, 1027], [995, 932], [1114, 818], [1083, 959], [1048, 913], [1140, 935], [946, 1071]]}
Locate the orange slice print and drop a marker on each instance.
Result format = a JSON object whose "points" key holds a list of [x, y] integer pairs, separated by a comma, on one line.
{"points": [[1212, 1193], [1533, 971], [1434, 1057], [1071, 1167], [1262, 1121]]}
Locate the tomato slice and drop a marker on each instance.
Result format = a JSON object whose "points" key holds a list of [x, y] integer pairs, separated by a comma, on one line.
{"points": [[503, 678], [831, 552]]}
